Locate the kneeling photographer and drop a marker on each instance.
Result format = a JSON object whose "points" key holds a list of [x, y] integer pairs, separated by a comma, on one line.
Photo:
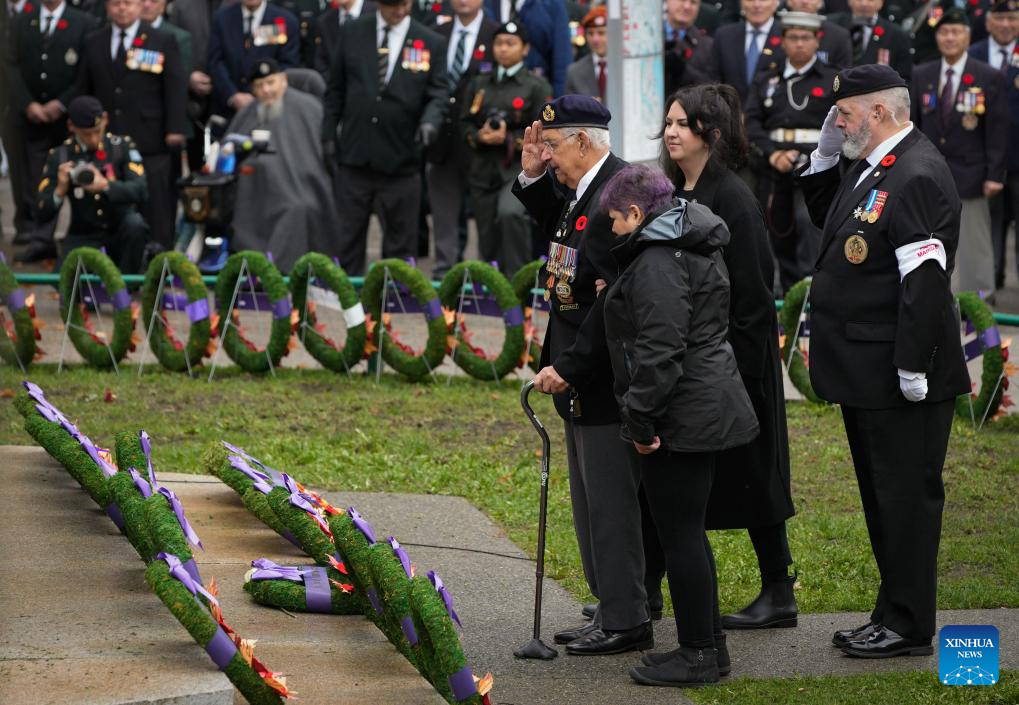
{"points": [[104, 178]]}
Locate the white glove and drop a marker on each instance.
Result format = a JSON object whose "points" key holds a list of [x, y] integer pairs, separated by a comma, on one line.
{"points": [[913, 385], [830, 142]]}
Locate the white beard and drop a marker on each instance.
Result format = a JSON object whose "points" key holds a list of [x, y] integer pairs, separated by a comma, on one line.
{"points": [[854, 144], [271, 112]]}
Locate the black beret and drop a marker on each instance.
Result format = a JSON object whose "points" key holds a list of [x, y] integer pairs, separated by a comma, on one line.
{"points": [[866, 78], [263, 68], [85, 112], [1005, 6], [953, 15], [575, 111], [517, 29]]}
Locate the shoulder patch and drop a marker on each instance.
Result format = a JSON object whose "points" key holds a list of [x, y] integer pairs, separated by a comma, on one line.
{"points": [[136, 168]]}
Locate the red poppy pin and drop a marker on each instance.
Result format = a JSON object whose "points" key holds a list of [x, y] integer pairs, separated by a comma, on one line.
{"points": [[687, 53], [479, 54], [581, 222], [888, 161], [518, 103], [61, 23], [879, 31], [101, 155], [967, 78], [436, 7], [418, 44], [775, 41], [974, 2], [27, 8], [280, 21], [820, 35], [138, 41], [817, 92]]}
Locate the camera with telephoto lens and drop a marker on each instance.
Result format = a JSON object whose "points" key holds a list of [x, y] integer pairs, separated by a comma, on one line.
{"points": [[495, 117], [82, 174]]}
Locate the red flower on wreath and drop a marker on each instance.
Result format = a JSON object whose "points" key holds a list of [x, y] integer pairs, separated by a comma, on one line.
{"points": [[817, 92], [879, 31], [61, 23], [775, 41], [418, 44], [518, 103], [888, 161], [101, 155], [967, 78], [138, 41], [581, 222], [27, 8]]}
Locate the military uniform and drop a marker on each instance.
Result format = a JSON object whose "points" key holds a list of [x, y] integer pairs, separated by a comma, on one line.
{"points": [[504, 228], [878, 41], [327, 31], [922, 21], [307, 13], [784, 113], [108, 219]]}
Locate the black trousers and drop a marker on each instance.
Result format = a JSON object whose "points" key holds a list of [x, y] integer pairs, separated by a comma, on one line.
{"points": [[37, 141], [899, 455], [161, 210], [124, 245], [1004, 209], [22, 188], [396, 199], [677, 486]]}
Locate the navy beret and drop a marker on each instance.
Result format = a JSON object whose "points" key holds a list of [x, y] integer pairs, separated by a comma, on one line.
{"points": [[1005, 6], [866, 78], [85, 112], [517, 29], [263, 68], [575, 111], [953, 15]]}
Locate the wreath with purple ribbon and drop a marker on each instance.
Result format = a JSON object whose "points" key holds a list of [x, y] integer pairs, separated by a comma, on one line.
{"points": [[88, 345], [796, 361], [246, 354], [170, 352], [22, 347], [467, 357], [979, 319]]}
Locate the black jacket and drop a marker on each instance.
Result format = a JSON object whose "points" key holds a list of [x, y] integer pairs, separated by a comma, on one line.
{"points": [[327, 33], [889, 44], [666, 320]]}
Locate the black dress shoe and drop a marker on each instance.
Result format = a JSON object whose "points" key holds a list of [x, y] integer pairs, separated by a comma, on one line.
{"points": [[568, 635], [690, 668], [884, 643], [36, 252], [843, 635], [774, 607], [589, 610], [606, 641], [657, 658]]}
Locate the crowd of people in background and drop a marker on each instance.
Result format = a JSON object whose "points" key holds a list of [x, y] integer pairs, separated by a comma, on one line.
{"points": [[423, 105]]}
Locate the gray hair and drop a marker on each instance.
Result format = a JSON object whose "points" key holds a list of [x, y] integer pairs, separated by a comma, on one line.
{"points": [[896, 100], [599, 136]]}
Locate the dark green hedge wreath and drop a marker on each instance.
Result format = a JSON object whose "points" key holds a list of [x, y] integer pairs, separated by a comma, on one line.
{"points": [[22, 348], [466, 358], [396, 354], [170, 352], [94, 351], [438, 640], [522, 283], [323, 349], [132, 507], [988, 399], [799, 375], [289, 595], [393, 584], [354, 548], [310, 537], [248, 356], [165, 534]]}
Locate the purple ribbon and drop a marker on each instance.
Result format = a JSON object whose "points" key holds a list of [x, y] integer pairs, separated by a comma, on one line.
{"points": [[401, 554], [33, 389], [144, 488], [290, 485], [121, 299], [221, 648], [317, 594], [259, 481], [298, 500], [444, 594], [47, 413], [192, 568], [462, 684], [89, 447], [407, 624], [267, 570], [175, 302], [275, 475], [513, 317], [363, 526], [68, 426], [987, 338], [281, 308], [16, 300], [113, 511], [433, 309], [178, 571], [374, 599], [146, 444], [181, 519], [197, 310]]}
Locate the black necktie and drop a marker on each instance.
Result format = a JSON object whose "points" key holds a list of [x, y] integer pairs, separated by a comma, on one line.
{"points": [[456, 71], [48, 26], [247, 24], [122, 47], [383, 57]]}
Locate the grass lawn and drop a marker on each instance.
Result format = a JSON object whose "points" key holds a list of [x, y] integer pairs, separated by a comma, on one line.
{"points": [[471, 439]]}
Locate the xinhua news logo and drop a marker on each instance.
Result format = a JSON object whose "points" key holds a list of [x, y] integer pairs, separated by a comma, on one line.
{"points": [[968, 655]]}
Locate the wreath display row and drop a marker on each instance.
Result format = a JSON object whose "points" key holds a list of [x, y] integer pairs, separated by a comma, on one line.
{"points": [[242, 351], [338, 358], [171, 353], [17, 342], [90, 345]]}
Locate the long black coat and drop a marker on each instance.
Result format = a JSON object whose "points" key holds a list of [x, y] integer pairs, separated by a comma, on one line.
{"points": [[751, 485]]}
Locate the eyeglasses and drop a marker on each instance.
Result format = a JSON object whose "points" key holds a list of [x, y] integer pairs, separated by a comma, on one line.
{"points": [[553, 145]]}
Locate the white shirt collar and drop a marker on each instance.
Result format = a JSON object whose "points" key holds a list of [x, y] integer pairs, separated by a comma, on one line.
{"points": [[587, 178], [18, 6], [255, 14], [131, 32], [353, 13], [882, 150], [156, 23], [396, 29], [995, 49], [790, 71], [472, 29], [764, 29], [56, 14], [957, 67]]}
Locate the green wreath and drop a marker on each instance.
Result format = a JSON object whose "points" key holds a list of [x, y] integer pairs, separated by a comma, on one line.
{"points": [[523, 283], [396, 354], [440, 649], [242, 351], [393, 583], [89, 345], [330, 355], [470, 359], [799, 375], [310, 537], [170, 352], [354, 547], [292, 596], [984, 404], [18, 343]]}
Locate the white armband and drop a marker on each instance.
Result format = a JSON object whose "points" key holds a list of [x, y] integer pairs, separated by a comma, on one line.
{"points": [[354, 316], [914, 254], [524, 180]]}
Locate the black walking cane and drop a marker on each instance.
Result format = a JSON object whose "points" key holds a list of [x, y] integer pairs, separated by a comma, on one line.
{"points": [[536, 648]]}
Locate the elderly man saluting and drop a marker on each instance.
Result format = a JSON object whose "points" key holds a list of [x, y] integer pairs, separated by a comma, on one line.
{"points": [[885, 337], [570, 144]]}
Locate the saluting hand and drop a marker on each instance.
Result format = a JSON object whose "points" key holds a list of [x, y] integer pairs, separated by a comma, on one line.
{"points": [[531, 162], [830, 141]]}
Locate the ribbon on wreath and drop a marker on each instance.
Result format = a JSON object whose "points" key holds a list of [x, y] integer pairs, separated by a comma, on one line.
{"points": [[260, 481], [462, 684], [221, 648], [401, 555], [178, 510], [363, 526], [266, 569], [179, 571], [274, 475], [143, 485], [987, 338], [447, 599], [299, 500]]}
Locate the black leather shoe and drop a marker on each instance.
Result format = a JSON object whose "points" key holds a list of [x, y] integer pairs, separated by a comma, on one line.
{"points": [[36, 252], [568, 635], [843, 635], [657, 658], [589, 610], [884, 643], [606, 641], [774, 607], [690, 668]]}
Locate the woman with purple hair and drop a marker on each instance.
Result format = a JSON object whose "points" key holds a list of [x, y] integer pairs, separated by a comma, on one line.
{"points": [[680, 397]]}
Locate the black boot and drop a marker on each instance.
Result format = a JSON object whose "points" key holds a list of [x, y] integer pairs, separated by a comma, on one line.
{"points": [[690, 668], [774, 607], [657, 658]]}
